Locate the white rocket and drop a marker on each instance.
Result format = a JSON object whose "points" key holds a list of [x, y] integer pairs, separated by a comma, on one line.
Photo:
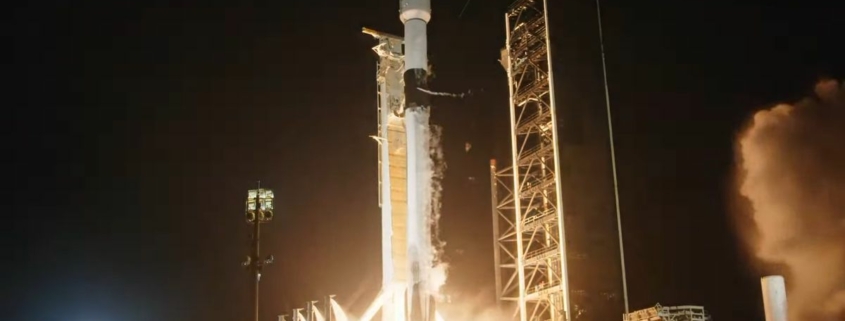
{"points": [[415, 15]]}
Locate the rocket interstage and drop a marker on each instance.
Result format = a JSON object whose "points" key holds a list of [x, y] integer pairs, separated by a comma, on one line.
{"points": [[415, 15]]}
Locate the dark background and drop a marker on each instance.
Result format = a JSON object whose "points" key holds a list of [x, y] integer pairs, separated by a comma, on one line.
{"points": [[136, 129]]}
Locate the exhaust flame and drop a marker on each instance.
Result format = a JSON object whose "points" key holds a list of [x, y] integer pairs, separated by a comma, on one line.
{"points": [[791, 160]]}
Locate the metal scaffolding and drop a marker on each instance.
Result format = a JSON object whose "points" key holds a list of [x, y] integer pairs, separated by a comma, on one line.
{"points": [[504, 231], [675, 313], [393, 196], [530, 253], [313, 312]]}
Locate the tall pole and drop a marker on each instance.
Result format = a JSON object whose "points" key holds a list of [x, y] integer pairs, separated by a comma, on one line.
{"points": [[564, 273], [613, 160], [259, 209], [327, 306], [309, 311], [523, 316], [494, 193], [256, 268]]}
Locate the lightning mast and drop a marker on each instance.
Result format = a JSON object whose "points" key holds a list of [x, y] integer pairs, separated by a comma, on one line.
{"points": [[532, 272]]}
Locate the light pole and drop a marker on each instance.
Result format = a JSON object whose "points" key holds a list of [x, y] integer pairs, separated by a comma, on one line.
{"points": [[329, 314], [259, 209]]}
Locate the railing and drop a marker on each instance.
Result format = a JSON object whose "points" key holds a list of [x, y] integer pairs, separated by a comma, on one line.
{"points": [[534, 153], [671, 313], [534, 221], [534, 28], [541, 290], [538, 185], [524, 127], [536, 256], [538, 85], [519, 6]]}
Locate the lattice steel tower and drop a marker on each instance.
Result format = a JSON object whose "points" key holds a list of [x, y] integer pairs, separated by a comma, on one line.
{"points": [[393, 160], [531, 268]]}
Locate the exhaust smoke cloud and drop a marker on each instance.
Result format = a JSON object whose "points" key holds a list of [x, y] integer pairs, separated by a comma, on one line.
{"points": [[439, 267], [791, 165], [473, 307]]}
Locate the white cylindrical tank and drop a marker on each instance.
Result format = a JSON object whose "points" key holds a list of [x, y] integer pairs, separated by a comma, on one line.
{"points": [[415, 14], [774, 297]]}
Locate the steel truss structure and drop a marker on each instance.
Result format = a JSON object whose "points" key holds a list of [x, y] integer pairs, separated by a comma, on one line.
{"points": [[530, 253], [393, 161], [676, 313], [313, 312]]}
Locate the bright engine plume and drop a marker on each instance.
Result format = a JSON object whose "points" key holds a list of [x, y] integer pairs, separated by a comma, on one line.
{"points": [[791, 165]]}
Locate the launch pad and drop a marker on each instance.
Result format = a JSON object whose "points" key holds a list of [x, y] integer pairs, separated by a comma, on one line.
{"points": [[531, 250], [529, 236]]}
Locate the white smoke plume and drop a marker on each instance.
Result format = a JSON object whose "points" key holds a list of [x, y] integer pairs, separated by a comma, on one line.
{"points": [[440, 268], [791, 164], [473, 307], [446, 94]]}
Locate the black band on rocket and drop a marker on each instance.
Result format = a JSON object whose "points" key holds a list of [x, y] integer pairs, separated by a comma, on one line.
{"points": [[415, 78]]}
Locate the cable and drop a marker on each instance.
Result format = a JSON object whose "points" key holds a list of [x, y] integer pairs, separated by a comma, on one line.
{"points": [[613, 159], [464, 9]]}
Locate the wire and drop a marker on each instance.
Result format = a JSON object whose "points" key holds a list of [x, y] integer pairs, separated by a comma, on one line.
{"points": [[464, 9], [612, 158]]}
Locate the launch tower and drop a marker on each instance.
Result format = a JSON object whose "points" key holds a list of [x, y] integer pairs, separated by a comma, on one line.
{"points": [[392, 170], [530, 252]]}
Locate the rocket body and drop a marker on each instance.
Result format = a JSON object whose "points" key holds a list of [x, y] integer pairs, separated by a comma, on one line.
{"points": [[415, 15]]}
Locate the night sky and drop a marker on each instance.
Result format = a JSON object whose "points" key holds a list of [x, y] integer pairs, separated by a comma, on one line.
{"points": [[137, 127]]}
